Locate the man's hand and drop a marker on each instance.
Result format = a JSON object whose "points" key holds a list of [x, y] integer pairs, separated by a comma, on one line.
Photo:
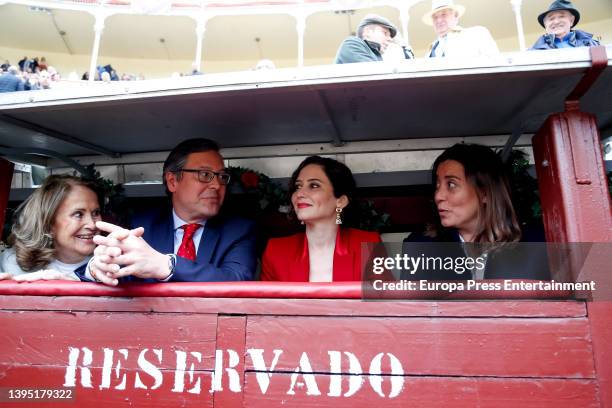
{"points": [[127, 248]]}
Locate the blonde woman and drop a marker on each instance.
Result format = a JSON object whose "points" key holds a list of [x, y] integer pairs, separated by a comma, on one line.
{"points": [[53, 231]]}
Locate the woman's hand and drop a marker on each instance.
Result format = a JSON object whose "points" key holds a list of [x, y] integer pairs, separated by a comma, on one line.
{"points": [[5, 276], [46, 274]]}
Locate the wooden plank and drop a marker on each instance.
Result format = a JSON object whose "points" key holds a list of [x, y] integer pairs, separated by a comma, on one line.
{"points": [[230, 358], [149, 394], [423, 392], [271, 290], [49, 338], [600, 313], [558, 348], [301, 307]]}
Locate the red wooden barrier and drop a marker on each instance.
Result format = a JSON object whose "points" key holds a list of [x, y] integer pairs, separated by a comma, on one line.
{"points": [[298, 352], [576, 206]]}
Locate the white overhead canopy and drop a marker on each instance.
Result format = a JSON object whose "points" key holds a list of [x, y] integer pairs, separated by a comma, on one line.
{"points": [[335, 104]]}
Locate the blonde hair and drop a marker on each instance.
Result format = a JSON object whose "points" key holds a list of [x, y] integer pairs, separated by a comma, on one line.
{"points": [[31, 236]]}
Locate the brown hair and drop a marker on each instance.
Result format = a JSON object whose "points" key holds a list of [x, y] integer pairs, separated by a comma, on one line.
{"points": [[31, 235], [485, 171]]}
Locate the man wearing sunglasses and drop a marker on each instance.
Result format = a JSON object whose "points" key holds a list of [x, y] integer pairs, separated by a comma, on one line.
{"points": [[189, 242]]}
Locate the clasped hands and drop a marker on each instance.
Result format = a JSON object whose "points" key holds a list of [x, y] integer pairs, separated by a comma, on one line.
{"points": [[124, 252]]}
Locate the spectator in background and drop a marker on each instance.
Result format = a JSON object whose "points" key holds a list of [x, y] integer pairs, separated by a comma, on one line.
{"points": [[42, 64], [454, 40], [195, 70], [397, 50], [10, 81], [558, 22], [374, 34], [22, 63], [4, 67], [264, 64]]}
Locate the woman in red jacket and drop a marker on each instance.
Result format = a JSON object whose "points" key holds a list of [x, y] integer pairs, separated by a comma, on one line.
{"points": [[321, 190]]}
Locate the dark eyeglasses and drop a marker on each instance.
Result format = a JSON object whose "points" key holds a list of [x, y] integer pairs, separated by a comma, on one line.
{"points": [[206, 176]]}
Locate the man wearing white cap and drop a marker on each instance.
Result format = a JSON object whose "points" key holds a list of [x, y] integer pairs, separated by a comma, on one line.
{"points": [[374, 34], [454, 40]]}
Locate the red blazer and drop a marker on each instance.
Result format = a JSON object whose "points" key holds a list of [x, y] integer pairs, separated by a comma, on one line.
{"points": [[286, 259]]}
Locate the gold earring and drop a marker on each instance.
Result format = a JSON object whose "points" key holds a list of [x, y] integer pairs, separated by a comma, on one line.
{"points": [[338, 216]]}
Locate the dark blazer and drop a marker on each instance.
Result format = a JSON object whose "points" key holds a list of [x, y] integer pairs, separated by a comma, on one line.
{"points": [[578, 38], [227, 250], [523, 261], [287, 259]]}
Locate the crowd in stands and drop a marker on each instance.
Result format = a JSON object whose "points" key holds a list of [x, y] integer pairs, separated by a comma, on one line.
{"points": [[376, 39], [107, 73], [30, 74]]}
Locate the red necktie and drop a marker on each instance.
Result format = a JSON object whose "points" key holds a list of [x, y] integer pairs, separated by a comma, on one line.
{"points": [[187, 248]]}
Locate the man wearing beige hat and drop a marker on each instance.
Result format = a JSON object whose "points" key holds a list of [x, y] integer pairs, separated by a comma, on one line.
{"points": [[454, 40], [374, 34]]}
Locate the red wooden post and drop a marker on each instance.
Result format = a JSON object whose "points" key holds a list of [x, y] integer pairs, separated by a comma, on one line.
{"points": [[576, 203], [6, 177]]}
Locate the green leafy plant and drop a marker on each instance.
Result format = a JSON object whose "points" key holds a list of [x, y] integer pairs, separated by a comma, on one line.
{"points": [[271, 196], [371, 219], [524, 187], [114, 203]]}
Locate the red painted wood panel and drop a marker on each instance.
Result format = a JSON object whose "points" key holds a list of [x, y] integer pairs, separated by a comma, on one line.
{"points": [[502, 347], [230, 345], [273, 290], [301, 307], [424, 392], [572, 181], [600, 313], [44, 338], [41, 377]]}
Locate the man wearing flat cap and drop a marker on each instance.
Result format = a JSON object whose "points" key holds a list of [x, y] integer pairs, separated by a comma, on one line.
{"points": [[454, 40], [559, 21], [374, 35]]}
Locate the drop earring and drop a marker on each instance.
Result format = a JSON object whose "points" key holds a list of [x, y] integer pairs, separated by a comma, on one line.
{"points": [[338, 216]]}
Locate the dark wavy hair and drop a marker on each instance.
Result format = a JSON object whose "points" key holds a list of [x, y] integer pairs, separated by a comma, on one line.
{"points": [[341, 178], [484, 170], [33, 220]]}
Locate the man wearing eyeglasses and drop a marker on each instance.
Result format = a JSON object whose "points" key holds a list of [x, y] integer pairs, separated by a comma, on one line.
{"points": [[189, 242]]}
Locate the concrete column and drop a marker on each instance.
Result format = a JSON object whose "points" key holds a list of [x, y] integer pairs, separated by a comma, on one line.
{"points": [[404, 20], [98, 29], [200, 30], [516, 7], [301, 28]]}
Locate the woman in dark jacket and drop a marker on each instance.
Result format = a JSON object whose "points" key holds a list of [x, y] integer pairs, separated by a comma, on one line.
{"points": [[474, 206]]}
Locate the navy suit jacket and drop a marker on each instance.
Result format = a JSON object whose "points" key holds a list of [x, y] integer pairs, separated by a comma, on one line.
{"points": [[227, 250]]}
